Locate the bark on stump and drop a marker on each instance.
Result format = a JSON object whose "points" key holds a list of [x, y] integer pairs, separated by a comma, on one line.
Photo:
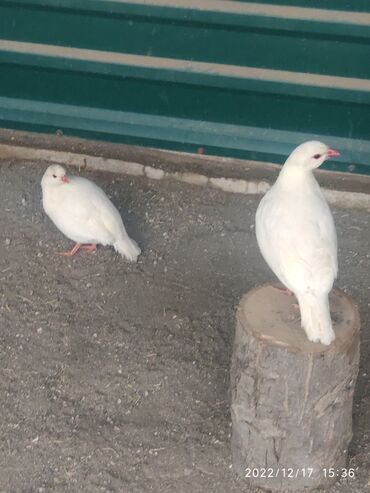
{"points": [[291, 399]]}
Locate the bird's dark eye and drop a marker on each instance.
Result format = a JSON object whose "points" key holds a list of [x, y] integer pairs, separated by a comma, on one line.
{"points": [[54, 176], [317, 156]]}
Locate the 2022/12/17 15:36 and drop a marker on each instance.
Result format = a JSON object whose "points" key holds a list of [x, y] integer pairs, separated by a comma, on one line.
{"points": [[303, 472]]}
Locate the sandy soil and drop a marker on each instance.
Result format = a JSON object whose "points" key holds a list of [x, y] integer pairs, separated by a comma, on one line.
{"points": [[115, 377]]}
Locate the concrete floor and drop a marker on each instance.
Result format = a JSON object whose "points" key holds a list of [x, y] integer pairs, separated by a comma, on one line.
{"points": [[114, 376]]}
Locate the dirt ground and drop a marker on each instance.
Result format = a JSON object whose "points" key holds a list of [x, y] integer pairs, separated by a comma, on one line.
{"points": [[115, 376]]}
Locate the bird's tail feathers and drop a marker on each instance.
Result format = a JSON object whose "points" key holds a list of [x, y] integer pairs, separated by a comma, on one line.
{"points": [[315, 317], [128, 248]]}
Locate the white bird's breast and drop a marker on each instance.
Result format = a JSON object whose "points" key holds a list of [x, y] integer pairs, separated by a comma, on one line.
{"points": [[296, 235]]}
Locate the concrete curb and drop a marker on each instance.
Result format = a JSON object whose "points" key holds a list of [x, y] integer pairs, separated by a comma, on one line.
{"points": [[345, 199]]}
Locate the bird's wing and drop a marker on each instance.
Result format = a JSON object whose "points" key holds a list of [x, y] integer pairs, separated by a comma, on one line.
{"points": [[308, 262], [106, 214], [81, 212], [302, 246]]}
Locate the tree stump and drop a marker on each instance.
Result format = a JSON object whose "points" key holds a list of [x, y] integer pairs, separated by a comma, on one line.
{"points": [[291, 398]]}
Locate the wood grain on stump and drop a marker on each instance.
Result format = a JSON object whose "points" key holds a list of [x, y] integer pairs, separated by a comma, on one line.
{"points": [[291, 398]]}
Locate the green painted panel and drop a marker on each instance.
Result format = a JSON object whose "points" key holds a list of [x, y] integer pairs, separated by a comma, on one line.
{"points": [[242, 79], [196, 73], [174, 38], [176, 133], [186, 101]]}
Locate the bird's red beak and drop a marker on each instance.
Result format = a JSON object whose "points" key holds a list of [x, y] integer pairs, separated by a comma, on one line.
{"points": [[332, 153], [65, 179]]}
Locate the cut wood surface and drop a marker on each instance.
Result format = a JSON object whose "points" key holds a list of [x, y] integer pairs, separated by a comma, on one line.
{"points": [[291, 398]]}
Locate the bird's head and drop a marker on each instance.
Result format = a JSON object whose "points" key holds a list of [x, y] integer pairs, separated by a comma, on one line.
{"points": [[54, 176], [311, 155]]}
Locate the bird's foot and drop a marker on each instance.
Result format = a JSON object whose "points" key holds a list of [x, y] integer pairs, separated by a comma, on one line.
{"points": [[71, 252], [78, 246], [89, 248], [282, 289]]}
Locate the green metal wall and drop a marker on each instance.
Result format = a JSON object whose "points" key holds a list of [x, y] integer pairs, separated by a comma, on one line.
{"points": [[236, 78]]}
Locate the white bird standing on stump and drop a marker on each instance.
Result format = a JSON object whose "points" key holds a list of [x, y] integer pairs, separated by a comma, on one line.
{"points": [[297, 238], [84, 213]]}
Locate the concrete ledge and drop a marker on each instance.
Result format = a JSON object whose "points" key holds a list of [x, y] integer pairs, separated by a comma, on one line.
{"points": [[229, 175]]}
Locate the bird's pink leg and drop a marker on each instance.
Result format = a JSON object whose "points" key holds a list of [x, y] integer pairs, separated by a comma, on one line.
{"points": [[282, 288], [89, 248], [70, 253], [78, 246], [285, 290]]}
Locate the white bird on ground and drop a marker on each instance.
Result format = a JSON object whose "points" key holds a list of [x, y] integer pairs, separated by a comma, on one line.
{"points": [[297, 238], [84, 213]]}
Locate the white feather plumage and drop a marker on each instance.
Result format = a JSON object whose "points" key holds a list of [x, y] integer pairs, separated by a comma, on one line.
{"points": [[84, 213], [296, 235]]}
